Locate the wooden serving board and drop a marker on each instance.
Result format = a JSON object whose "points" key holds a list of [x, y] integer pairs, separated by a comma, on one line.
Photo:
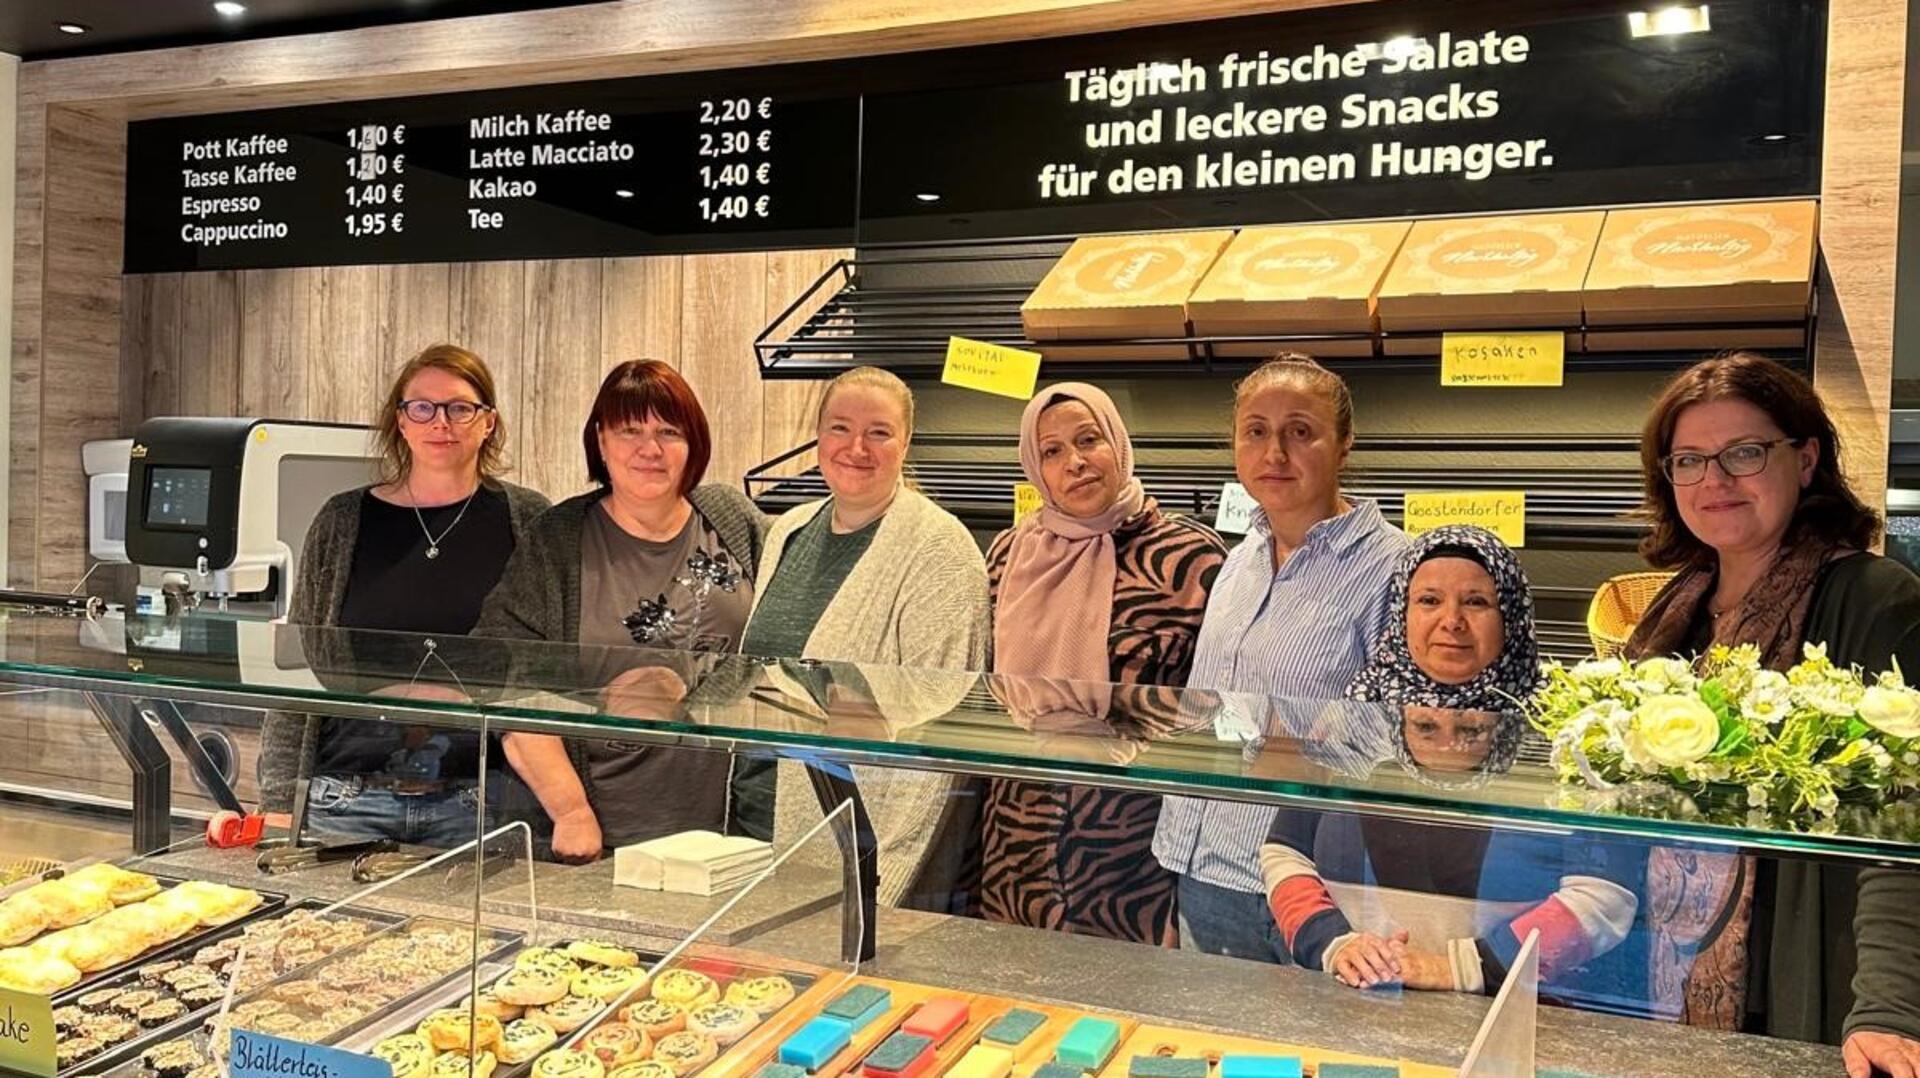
{"points": [[1165, 1040], [1037, 1050]]}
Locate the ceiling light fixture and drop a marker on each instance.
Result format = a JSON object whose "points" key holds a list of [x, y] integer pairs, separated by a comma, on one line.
{"points": [[623, 192], [1667, 21], [927, 196], [229, 8], [1775, 137], [72, 27]]}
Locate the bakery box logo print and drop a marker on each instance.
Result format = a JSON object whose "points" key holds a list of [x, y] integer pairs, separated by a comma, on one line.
{"points": [[1291, 262], [1702, 244], [1505, 252], [1133, 270]]}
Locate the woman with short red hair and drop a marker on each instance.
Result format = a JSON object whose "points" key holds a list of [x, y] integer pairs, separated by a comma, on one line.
{"points": [[648, 559]]}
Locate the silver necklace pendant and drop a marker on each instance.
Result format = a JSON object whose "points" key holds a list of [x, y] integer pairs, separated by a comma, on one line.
{"points": [[433, 552]]}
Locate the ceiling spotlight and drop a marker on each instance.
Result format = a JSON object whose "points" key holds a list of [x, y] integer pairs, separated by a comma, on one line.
{"points": [[1666, 21], [229, 8], [927, 196], [623, 192], [1775, 137], [72, 27]]}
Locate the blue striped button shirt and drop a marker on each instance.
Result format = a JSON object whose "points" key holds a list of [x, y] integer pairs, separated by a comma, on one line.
{"points": [[1301, 632]]}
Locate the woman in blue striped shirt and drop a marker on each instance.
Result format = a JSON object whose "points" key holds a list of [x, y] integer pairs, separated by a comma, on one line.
{"points": [[1293, 614]]}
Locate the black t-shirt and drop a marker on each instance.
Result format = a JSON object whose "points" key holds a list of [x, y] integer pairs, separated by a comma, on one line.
{"points": [[394, 586]]}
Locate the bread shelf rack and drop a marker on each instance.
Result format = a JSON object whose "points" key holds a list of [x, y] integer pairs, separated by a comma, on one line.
{"points": [[897, 309], [972, 476]]}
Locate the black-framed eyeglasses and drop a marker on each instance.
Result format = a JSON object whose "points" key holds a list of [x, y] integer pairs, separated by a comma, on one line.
{"points": [[459, 413], [1739, 459]]}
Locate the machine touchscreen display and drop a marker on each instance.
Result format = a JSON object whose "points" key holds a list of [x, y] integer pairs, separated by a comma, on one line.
{"points": [[178, 497]]}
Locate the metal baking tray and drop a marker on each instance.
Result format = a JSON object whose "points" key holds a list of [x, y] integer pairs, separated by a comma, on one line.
{"points": [[400, 1020], [131, 1049], [124, 1061], [270, 903]]}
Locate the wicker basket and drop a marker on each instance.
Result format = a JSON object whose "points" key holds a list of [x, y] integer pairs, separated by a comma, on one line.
{"points": [[1617, 607]]}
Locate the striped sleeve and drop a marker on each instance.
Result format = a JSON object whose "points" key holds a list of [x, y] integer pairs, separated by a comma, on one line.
{"points": [[1305, 912], [1587, 916]]}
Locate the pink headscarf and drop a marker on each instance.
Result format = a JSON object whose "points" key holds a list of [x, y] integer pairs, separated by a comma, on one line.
{"points": [[1055, 606]]}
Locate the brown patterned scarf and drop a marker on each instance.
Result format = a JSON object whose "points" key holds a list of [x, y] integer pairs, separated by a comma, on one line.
{"points": [[1700, 903]]}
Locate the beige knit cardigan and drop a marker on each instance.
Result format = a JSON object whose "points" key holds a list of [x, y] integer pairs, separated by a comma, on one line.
{"points": [[916, 599]]}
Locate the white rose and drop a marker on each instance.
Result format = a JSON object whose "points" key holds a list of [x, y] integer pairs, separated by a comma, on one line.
{"points": [[1594, 669], [1892, 711], [1675, 731]]}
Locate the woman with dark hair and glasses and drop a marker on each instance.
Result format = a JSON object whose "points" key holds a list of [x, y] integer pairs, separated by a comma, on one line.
{"points": [[1748, 503], [416, 552], [650, 558]]}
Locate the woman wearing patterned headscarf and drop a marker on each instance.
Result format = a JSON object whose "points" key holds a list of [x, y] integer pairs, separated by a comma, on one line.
{"points": [[1378, 901], [1097, 587]]}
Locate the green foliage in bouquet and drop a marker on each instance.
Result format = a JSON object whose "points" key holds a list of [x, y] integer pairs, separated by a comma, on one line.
{"points": [[1806, 740]]}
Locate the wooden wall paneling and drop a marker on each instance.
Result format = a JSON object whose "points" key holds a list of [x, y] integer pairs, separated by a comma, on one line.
{"points": [[86, 170], [29, 249], [277, 344], [345, 368], [487, 309], [1859, 234], [151, 360], [209, 369], [415, 311], [723, 306], [640, 310], [562, 370], [790, 406]]}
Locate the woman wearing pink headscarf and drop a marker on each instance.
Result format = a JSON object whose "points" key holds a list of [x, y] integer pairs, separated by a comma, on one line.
{"points": [[1098, 586]]}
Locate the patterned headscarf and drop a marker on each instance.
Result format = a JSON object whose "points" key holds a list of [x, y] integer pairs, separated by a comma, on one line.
{"points": [[1392, 677]]}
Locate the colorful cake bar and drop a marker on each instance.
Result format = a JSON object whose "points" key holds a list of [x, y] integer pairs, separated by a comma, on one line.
{"points": [[983, 1061], [860, 1005], [780, 1070], [938, 1019], [1166, 1067], [1058, 1069], [1357, 1070], [1260, 1067], [1014, 1027], [1089, 1044], [813, 1044], [902, 1055]]}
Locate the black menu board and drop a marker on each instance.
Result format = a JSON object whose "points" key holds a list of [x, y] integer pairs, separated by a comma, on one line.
{"points": [[746, 161], [1370, 110]]}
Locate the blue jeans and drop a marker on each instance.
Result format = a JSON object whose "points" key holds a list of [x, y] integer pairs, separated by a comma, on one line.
{"points": [[342, 805], [1237, 924]]}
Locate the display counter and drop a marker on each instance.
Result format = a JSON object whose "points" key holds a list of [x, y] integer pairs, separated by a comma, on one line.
{"points": [[815, 916]]}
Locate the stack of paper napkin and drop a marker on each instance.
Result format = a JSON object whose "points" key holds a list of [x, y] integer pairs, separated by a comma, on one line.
{"points": [[691, 862]]}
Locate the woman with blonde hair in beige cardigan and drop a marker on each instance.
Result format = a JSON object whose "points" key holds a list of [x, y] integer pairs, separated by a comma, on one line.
{"points": [[874, 574]]}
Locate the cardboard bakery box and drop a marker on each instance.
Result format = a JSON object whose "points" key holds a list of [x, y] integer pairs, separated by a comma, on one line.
{"points": [[1305, 280], [1510, 272], [1121, 287], [1743, 265]]}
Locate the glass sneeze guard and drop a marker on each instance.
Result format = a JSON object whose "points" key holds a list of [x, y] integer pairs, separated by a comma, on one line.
{"points": [[1332, 755]]}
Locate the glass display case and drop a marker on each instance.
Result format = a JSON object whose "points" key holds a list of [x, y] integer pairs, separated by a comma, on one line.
{"points": [[848, 942]]}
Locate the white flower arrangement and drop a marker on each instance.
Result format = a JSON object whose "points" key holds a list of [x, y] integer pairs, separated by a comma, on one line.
{"points": [[1803, 741]]}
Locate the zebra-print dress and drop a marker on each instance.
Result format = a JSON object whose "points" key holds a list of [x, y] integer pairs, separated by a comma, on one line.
{"points": [[1080, 859]]}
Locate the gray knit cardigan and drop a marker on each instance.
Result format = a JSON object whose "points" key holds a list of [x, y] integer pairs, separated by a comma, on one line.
{"points": [[288, 742]]}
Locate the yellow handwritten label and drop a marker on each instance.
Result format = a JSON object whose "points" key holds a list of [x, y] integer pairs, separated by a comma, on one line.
{"points": [[26, 1034], [1503, 359], [1026, 501], [1502, 512], [991, 368]]}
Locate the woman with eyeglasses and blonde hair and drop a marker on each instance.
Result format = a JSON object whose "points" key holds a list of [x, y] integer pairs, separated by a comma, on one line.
{"points": [[416, 552], [1749, 505]]}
